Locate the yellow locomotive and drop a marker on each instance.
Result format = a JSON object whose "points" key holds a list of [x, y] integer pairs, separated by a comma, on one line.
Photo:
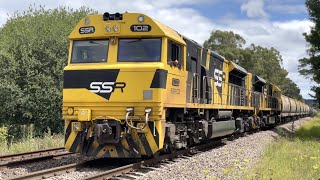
{"points": [[134, 87]]}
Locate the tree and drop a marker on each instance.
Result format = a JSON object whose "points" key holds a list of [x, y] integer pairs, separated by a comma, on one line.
{"points": [[310, 67], [227, 43], [256, 59], [33, 52]]}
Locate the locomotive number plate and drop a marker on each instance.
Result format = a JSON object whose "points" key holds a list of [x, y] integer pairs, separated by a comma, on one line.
{"points": [[140, 28]]}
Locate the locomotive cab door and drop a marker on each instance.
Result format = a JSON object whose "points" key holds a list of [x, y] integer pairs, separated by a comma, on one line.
{"points": [[194, 71], [258, 90], [205, 80], [237, 85]]}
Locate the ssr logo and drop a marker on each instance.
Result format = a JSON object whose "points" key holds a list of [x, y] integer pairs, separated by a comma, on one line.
{"points": [[218, 77], [86, 30], [106, 87]]}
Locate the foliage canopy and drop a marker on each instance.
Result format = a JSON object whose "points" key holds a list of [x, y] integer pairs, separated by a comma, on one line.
{"points": [[256, 59], [310, 66], [33, 52]]}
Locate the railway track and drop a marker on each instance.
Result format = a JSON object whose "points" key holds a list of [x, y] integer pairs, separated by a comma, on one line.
{"points": [[114, 172], [34, 156], [57, 171], [124, 170], [50, 172]]}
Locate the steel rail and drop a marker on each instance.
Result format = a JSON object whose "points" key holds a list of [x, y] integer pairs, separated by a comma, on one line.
{"points": [[116, 172], [34, 156], [49, 172]]}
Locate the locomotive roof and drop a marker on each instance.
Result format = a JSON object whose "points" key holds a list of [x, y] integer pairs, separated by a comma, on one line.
{"points": [[156, 28]]}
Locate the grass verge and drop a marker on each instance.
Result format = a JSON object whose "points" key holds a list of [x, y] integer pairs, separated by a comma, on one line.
{"points": [[296, 157], [29, 142]]}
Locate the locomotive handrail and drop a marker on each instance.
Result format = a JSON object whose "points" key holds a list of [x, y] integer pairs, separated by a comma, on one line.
{"points": [[196, 95]]}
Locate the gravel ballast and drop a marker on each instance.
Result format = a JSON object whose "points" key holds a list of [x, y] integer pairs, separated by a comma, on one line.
{"points": [[231, 161], [38, 166]]}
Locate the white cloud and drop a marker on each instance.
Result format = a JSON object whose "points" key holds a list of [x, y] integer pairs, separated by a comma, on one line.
{"points": [[285, 36], [287, 8], [254, 8], [3, 17]]}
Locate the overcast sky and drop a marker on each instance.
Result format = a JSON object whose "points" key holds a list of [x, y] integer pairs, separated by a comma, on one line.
{"points": [[269, 23]]}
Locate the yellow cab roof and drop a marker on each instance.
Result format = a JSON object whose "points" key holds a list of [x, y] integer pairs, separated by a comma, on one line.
{"points": [[157, 28]]}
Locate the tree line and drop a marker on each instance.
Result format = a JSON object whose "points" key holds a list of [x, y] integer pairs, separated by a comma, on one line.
{"points": [[264, 62], [310, 66], [34, 50]]}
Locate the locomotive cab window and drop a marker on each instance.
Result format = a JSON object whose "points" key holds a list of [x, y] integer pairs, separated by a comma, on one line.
{"points": [[237, 80], [259, 84], [237, 75], [90, 51], [139, 50], [175, 54], [258, 87]]}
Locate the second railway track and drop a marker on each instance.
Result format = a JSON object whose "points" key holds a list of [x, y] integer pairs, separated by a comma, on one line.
{"points": [[34, 156]]}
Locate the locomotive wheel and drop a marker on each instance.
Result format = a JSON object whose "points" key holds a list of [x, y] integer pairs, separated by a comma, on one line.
{"points": [[258, 122], [169, 148], [172, 148], [251, 123]]}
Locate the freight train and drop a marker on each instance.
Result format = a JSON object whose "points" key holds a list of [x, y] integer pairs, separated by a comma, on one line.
{"points": [[134, 87]]}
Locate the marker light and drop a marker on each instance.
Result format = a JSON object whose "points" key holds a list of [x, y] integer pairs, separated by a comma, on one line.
{"points": [[141, 18], [76, 126], [115, 28], [108, 28]]}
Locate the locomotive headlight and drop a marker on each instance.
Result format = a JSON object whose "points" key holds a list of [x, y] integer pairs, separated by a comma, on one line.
{"points": [[76, 126], [115, 28], [70, 111], [140, 18], [108, 28]]}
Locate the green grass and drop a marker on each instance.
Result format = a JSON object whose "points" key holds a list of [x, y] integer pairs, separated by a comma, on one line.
{"points": [[28, 142], [310, 130], [292, 158]]}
